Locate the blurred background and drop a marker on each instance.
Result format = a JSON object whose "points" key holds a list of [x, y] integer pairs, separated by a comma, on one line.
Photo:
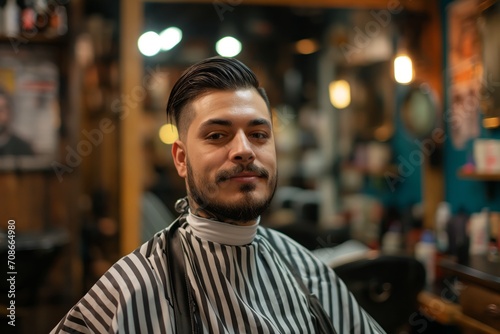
{"points": [[386, 116]]}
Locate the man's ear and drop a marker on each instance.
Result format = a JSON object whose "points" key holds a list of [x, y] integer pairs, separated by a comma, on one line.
{"points": [[179, 155]]}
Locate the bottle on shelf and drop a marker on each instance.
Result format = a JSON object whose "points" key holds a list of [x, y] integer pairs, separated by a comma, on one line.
{"points": [[2, 22], [425, 252], [479, 233], [11, 18], [443, 216], [58, 20], [392, 240], [28, 18], [42, 15]]}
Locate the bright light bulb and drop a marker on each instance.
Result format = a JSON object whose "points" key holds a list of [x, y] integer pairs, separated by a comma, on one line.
{"points": [[168, 133], [228, 46], [149, 43], [403, 69], [170, 37], [340, 94]]}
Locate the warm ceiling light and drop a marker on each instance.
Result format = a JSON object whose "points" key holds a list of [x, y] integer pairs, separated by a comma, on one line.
{"points": [[340, 94], [228, 46], [168, 133], [149, 43], [306, 46], [403, 69]]}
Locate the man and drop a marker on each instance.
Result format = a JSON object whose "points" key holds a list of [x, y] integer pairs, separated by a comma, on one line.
{"points": [[10, 143], [240, 277]]}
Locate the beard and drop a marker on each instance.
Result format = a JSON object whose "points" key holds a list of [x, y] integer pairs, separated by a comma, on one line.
{"points": [[247, 209]]}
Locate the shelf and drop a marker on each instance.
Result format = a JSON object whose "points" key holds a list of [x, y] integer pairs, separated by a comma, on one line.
{"points": [[479, 270], [389, 170], [40, 38], [489, 178], [479, 176]]}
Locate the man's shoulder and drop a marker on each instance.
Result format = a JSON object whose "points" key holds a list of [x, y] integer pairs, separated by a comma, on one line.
{"points": [[268, 232], [133, 283], [154, 246], [147, 261], [144, 269], [310, 267], [281, 241]]}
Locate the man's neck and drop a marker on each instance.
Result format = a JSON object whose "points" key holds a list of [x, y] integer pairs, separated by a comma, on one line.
{"points": [[221, 233], [210, 215]]}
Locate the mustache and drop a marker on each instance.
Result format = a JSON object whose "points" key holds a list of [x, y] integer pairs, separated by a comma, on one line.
{"points": [[225, 175]]}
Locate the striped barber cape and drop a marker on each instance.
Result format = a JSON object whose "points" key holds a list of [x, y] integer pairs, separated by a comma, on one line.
{"points": [[239, 283]]}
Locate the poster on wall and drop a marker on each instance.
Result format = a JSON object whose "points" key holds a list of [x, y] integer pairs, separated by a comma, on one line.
{"points": [[489, 26], [465, 71], [29, 110]]}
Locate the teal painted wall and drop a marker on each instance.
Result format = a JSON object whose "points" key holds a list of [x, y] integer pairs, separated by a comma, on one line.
{"points": [[406, 190], [470, 196]]}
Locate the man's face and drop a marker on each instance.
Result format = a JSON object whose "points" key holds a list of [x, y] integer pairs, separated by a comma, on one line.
{"points": [[227, 155]]}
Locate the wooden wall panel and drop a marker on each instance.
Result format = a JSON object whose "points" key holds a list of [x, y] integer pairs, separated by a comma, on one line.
{"points": [[131, 66], [23, 200], [431, 71]]}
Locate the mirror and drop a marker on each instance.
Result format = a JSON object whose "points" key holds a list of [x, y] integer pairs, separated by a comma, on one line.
{"points": [[419, 112], [372, 101]]}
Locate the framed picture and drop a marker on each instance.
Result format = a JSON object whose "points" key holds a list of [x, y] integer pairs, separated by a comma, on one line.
{"points": [[465, 71], [489, 28], [29, 109]]}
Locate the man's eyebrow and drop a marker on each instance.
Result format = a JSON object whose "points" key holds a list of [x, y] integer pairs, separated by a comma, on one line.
{"points": [[259, 121], [225, 122], [216, 121]]}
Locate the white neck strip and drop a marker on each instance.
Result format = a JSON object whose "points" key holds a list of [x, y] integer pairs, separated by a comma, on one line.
{"points": [[222, 233]]}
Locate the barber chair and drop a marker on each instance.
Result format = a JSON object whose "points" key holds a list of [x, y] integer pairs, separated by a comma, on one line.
{"points": [[386, 286], [35, 254]]}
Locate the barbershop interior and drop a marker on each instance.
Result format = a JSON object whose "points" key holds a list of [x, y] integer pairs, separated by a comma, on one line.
{"points": [[386, 120]]}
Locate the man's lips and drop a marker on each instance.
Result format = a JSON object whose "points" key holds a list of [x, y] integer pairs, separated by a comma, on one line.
{"points": [[245, 177]]}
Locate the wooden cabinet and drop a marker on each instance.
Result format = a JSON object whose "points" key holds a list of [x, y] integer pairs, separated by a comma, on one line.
{"points": [[35, 76], [436, 308], [482, 304], [34, 193], [478, 307]]}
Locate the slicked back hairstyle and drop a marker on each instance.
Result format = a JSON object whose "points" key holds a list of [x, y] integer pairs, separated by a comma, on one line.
{"points": [[216, 73]]}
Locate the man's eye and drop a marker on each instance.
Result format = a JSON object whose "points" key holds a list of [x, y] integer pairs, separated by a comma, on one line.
{"points": [[214, 136], [260, 135]]}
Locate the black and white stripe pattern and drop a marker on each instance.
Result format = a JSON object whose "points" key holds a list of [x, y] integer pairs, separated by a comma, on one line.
{"points": [[238, 289]]}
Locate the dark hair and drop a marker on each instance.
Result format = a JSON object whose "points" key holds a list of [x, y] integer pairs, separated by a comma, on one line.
{"points": [[216, 73]]}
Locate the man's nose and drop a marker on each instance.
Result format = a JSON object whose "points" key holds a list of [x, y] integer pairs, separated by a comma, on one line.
{"points": [[241, 150]]}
